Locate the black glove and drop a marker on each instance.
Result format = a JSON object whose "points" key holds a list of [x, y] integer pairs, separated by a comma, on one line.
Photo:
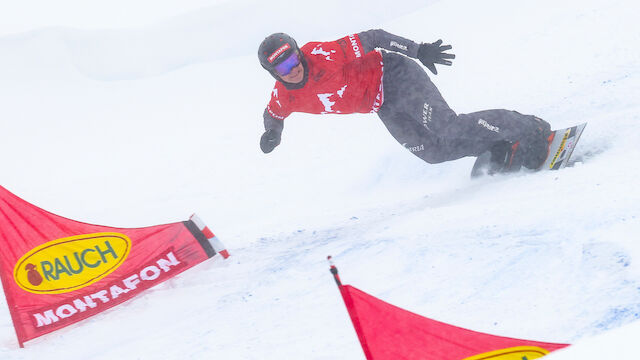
{"points": [[269, 140], [431, 54]]}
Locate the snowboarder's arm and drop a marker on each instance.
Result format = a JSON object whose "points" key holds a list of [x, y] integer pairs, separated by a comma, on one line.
{"points": [[378, 38], [428, 53], [272, 134]]}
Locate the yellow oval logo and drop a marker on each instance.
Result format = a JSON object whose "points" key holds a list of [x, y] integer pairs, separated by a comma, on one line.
{"points": [[514, 353], [71, 263]]}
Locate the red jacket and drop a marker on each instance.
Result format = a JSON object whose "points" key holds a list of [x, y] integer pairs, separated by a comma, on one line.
{"points": [[343, 79]]}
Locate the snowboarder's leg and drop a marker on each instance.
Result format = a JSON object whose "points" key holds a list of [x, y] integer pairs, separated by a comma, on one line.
{"points": [[421, 142], [409, 95], [522, 140]]}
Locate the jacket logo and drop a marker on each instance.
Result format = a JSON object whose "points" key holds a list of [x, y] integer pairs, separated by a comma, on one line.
{"points": [[355, 46], [319, 51], [399, 46], [325, 99], [71, 263]]}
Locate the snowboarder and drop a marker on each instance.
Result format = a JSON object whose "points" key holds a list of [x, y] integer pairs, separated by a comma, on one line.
{"points": [[374, 71]]}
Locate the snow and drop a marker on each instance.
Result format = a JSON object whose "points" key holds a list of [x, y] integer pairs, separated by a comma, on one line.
{"points": [[144, 116]]}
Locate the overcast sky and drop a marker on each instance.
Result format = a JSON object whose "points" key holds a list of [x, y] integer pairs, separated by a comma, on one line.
{"points": [[25, 15]]}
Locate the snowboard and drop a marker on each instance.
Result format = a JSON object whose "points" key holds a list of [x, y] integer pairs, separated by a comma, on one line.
{"points": [[561, 145]]}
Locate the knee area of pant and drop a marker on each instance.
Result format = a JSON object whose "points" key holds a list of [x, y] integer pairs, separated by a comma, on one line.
{"points": [[438, 121]]}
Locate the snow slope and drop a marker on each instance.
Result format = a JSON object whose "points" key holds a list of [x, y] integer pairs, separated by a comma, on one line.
{"points": [[150, 120]]}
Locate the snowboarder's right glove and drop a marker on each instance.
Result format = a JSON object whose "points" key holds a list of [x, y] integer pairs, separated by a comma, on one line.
{"points": [[269, 140], [434, 53]]}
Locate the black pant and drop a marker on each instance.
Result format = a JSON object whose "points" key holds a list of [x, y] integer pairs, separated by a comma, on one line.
{"points": [[417, 116]]}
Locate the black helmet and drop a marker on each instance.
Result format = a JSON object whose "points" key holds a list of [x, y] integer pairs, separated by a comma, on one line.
{"points": [[276, 48]]}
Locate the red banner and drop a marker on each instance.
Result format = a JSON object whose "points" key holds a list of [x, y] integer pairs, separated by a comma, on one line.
{"points": [[56, 271], [387, 332]]}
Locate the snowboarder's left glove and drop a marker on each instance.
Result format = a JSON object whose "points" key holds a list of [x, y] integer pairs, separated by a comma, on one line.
{"points": [[269, 140], [434, 53]]}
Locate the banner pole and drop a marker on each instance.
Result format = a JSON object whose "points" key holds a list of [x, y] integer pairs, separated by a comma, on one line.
{"points": [[334, 271], [348, 303]]}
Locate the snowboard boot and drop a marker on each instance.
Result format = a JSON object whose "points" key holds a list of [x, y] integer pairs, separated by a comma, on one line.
{"points": [[506, 156], [500, 157], [530, 152]]}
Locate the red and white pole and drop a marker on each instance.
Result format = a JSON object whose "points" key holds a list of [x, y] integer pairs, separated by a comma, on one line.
{"points": [[213, 240]]}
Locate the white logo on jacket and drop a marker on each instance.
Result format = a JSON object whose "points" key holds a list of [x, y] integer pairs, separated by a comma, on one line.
{"points": [[354, 46], [327, 54], [325, 99], [399, 46], [275, 96]]}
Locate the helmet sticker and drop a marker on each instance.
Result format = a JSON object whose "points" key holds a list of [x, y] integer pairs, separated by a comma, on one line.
{"points": [[276, 53]]}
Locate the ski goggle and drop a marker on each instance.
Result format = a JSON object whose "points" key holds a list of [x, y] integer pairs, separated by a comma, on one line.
{"points": [[285, 67]]}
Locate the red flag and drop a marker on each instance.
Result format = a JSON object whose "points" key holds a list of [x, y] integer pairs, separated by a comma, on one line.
{"points": [[387, 332], [56, 271]]}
